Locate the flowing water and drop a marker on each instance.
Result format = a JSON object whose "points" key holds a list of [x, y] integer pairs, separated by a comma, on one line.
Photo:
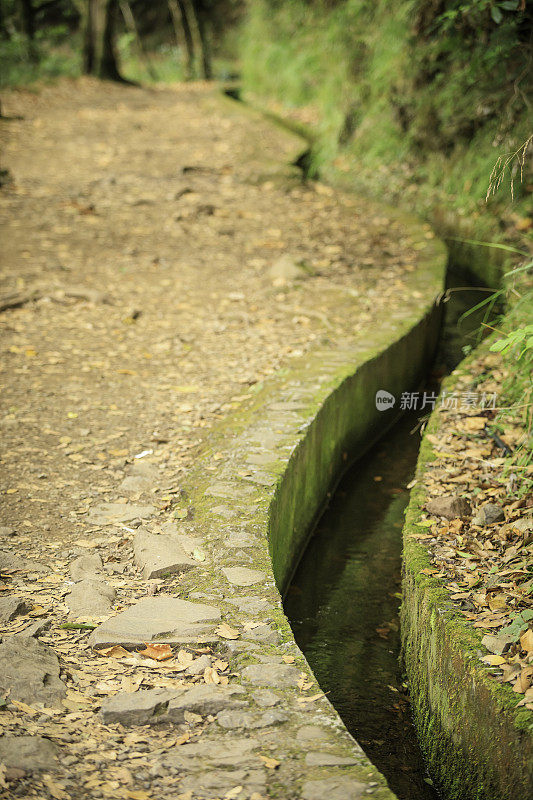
{"points": [[343, 602]]}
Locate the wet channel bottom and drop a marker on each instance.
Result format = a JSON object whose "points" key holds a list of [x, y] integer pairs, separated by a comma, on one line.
{"points": [[343, 605]]}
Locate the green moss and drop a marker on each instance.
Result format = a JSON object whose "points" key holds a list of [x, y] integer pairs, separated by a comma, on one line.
{"points": [[405, 106]]}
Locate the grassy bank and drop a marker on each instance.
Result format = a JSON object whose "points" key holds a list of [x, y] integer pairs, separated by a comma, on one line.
{"points": [[411, 101]]}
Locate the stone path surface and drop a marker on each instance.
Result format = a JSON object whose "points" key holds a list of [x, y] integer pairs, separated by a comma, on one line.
{"points": [[161, 260]]}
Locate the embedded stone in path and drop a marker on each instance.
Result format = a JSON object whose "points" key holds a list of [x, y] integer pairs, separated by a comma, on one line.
{"points": [[250, 605], [90, 598], [157, 554], [136, 708], [29, 671], [342, 788], [250, 721], [28, 753], [242, 576], [11, 607], [283, 676], [224, 751], [161, 619], [205, 700], [265, 698], [169, 705], [111, 513], [219, 782], [86, 566]]}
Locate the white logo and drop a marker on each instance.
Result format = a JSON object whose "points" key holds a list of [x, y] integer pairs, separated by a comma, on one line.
{"points": [[384, 400]]}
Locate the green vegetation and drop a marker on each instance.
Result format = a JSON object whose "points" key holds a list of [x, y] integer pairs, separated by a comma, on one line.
{"points": [[133, 40], [411, 101]]}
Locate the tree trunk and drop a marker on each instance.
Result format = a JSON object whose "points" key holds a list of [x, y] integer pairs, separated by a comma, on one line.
{"points": [[107, 68], [202, 20], [99, 55], [88, 54], [27, 24], [178, 12]]}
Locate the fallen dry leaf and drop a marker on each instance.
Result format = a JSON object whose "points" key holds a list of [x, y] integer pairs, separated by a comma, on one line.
{"points": [[157, 652], [117, 651], [270, 763], [226, 632]]}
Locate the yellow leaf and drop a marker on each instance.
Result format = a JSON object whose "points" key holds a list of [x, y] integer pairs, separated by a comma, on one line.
{"points": [[310, 699], [270, 763], [225, 632], [526, 641], [493, 661]]}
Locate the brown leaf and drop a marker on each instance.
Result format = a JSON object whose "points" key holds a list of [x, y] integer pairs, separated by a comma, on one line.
{"points": [[157, 652], [117, 651]]}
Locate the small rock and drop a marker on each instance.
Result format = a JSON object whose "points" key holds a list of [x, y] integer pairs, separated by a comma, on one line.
{"points": [[157, 554], [28, 754], [6, 532], [86, 566], [282, 676], [489, 514], [328, 760], [498, 643], [199, 665], [134, 484], [452, 507], [11, 607], [286, 269], [240, 539], [266, 699], [90, 598], [9, 562], [220, 782], [250, 605], [311, 733], [111, 513], [164, 619], [242, 576], [29, 671], [223, 751], [136, 708], [35, 629], [263, 633]]}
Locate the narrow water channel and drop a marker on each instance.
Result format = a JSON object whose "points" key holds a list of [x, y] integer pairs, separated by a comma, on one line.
{"points": [[343, 602]]}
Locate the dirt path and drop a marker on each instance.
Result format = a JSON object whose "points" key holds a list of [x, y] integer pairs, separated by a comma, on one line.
{"points": [[144, 225]]}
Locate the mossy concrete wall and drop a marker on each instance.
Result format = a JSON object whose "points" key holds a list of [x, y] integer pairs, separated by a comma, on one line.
{"points": [[478, 745]]}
